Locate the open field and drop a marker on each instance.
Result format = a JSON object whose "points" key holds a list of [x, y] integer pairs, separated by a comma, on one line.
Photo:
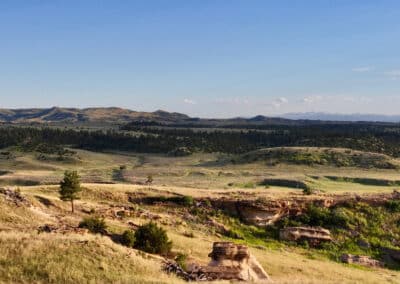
{"points": [[112, 180], [199, 171]]}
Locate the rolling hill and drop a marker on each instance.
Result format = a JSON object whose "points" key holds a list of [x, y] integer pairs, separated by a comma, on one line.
{"points": [[115, 115], [75, 115]]}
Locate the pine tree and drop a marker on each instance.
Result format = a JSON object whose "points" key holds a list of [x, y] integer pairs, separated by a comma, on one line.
{"points": [[70, 187]]}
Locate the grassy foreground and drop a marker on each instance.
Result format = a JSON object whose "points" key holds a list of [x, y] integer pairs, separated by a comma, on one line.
{"points": [[29, 257], [51, 258]]}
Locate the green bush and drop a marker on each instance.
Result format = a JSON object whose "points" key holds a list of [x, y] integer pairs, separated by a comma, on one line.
{"points": [[187, 200], [319, 216], [95, 225], [181, 260], [393, 206], [234, 234], [152, 239], [308, 191], [249, 185], [128, 238]]}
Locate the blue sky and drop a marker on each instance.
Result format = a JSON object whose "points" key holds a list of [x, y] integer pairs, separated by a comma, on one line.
{"points": [[205, 58]]}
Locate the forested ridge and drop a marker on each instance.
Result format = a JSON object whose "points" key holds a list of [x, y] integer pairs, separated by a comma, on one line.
{"points": [[151, 139]]}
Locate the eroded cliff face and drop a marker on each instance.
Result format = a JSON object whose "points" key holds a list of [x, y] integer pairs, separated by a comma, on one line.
{"points": [[313, 235], [266, 212]]}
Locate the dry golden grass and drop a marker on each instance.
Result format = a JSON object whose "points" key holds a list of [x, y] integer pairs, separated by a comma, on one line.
{"points": [[197, 172], [292, 266], [52, 258], [28, 257]]}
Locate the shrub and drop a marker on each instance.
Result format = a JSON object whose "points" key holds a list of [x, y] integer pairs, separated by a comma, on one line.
{"points": [[249, 185], [152, 239], [181, 260], [95, 225], [128, 238], [393, 206], [187, 200], [319, 216], [308, 191], [149, 179], [207, 203], [234, 234]]}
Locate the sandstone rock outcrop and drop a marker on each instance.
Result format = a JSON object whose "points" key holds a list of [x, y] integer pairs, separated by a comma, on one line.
{"points": [[233, 262], [361, 260], [62, 229], [14, 196], [313, 235], [267, 212], [194, 275]]}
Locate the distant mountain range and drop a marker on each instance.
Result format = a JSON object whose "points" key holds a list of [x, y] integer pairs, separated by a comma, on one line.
{"points": [[86, 115], [342, 117], [113, 115]]}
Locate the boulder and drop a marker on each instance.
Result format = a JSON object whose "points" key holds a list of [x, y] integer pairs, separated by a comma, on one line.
{"points": [[233, 262], [14, 196], [313, 235], [361, 260]]}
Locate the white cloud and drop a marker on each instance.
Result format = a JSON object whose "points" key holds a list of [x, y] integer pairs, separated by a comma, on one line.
{"points": [[362, 69], [276, 103], [393, 74], [282, 100], [189, 102], [232, 101], [312, 99]]}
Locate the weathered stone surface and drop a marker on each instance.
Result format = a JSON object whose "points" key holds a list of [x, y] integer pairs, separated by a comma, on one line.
{"points": [[314, 235], [263, 213], [267, 212], [62, 229], [116, 212], [14, 196], [233, 262], [194, 275], [361, 260]]}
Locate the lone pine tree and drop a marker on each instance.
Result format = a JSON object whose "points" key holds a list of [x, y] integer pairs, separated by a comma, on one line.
{"points": [[70, 187]]}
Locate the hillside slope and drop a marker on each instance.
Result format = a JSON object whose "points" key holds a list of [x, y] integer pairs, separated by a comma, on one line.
{"points": [[67, 255], [74, 115]]}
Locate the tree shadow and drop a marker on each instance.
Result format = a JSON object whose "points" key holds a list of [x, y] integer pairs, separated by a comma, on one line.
{"points": [[46, 202]]}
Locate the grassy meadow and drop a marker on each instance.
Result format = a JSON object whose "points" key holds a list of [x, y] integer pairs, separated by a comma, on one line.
{"points": [[109, 179]]}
